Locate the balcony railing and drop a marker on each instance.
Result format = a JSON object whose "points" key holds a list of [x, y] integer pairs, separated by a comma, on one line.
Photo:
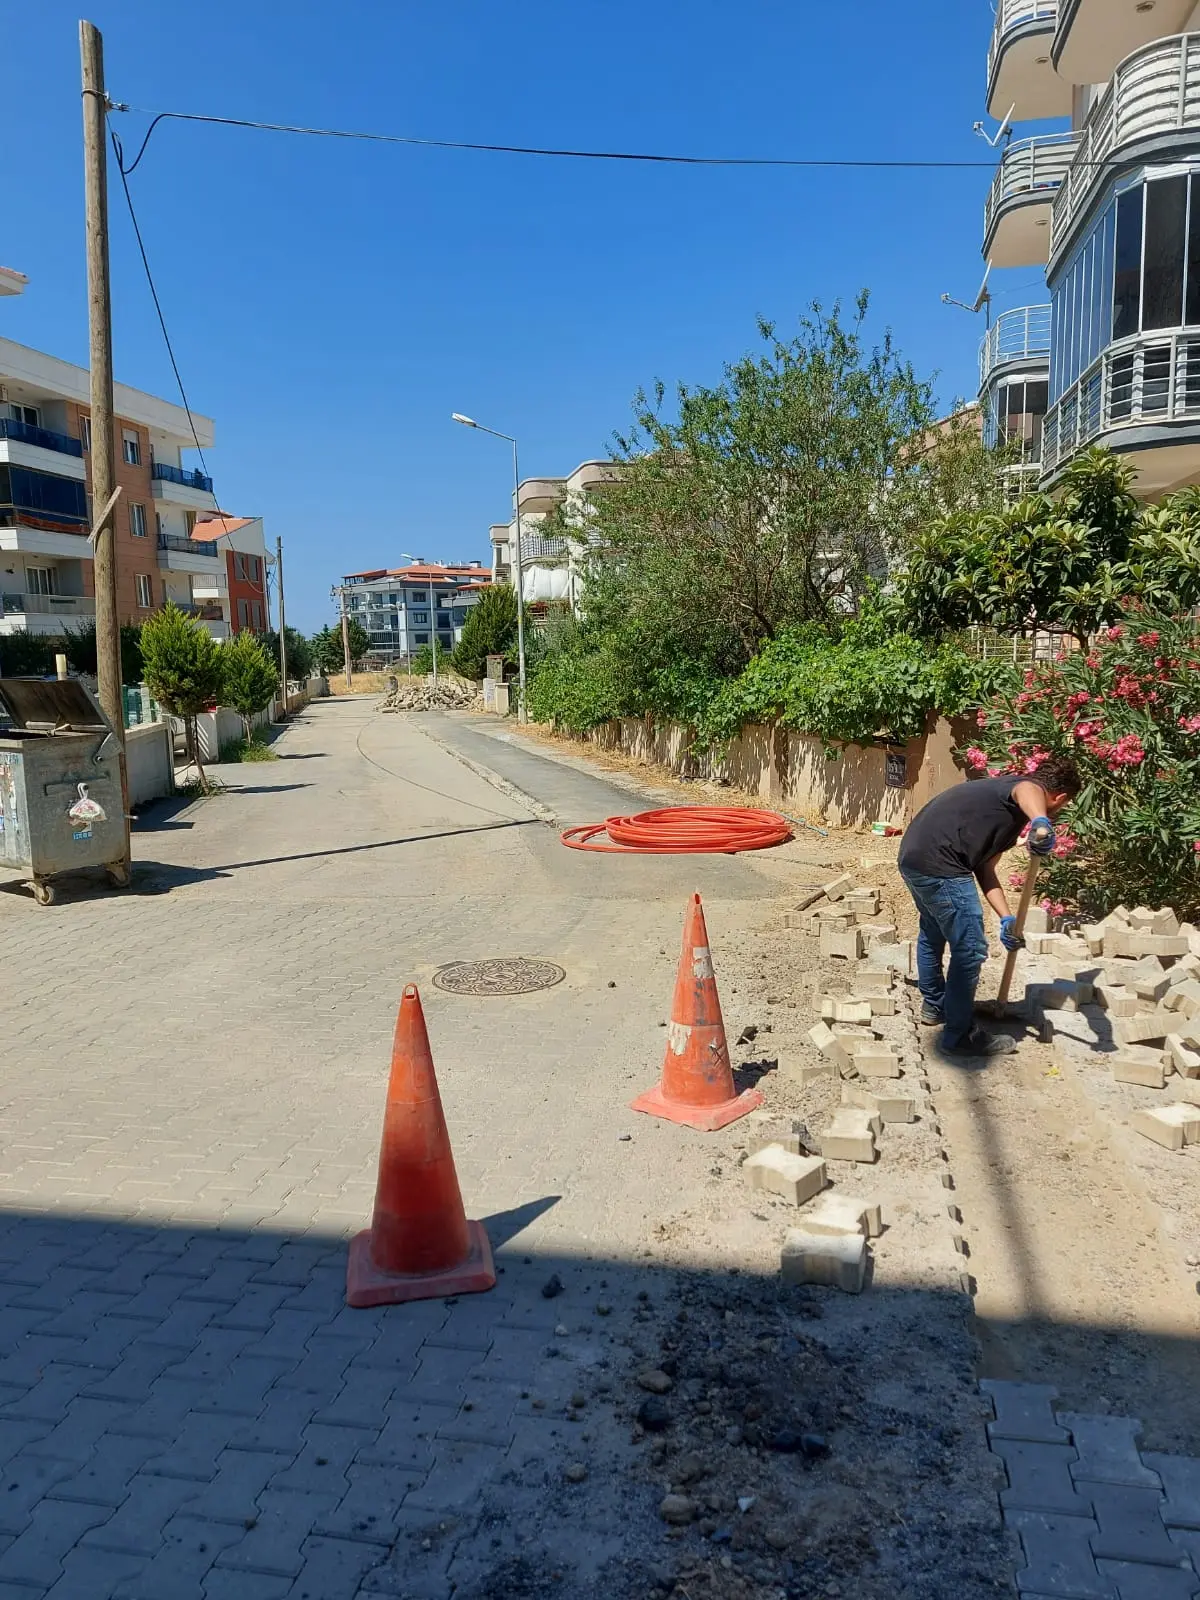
{"points": [[1156, 90], [1013, 14], [47, 605], [1150, 379], [43, 438], [203, 613], [187, 480], [1019, 335], [190, 547], [43, 521], [1029, 168]]}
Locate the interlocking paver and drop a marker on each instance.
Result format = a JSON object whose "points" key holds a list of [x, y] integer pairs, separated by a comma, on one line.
{"points": [[48, 1399], [14, 1436], [1108, 1451], [1058, 1557], [369, 1510], [54, 1529], [1181, 1480], [1150, 1583], [362, 1400], [457, 1477], [132, 1378], [1039, 1478], [104, 1477], [406, 1439], [136, 1527], [1024, 1411], [177, 1570], [273, 1545], [245, 1388], [76, 1436], [333, 1569], [1131, 1525], [95, 1574], [24, 1481], [241, 1476], [253, 1308], [321, 1465]]}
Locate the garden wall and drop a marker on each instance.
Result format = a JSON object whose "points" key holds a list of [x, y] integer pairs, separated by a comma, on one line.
{"points": [[792, 771]]}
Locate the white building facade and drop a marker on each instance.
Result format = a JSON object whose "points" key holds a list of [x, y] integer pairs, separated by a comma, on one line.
{"points": [[551, 564], [1109, 205], [404, 609]]}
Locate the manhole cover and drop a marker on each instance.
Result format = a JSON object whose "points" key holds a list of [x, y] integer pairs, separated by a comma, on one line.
{"points": [[508, 975]]}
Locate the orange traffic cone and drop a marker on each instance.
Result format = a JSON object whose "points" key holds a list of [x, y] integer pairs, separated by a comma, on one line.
{"points": [[419, 1245], [697, 1080]]}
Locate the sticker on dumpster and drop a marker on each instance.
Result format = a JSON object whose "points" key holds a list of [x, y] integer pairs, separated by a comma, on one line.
{"points": [[86, 810], [81, 833]]}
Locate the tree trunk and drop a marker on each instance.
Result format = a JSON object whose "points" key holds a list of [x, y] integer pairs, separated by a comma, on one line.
{"points": [[193, 742]]}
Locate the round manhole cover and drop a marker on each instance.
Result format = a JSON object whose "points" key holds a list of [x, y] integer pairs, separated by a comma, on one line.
{"points": [[507, 975]]}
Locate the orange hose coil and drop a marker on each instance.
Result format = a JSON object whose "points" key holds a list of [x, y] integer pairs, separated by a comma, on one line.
{"points": [[682, 830]]}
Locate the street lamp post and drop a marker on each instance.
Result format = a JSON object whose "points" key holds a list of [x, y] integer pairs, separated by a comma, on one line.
{"points": [[469, 422], [432, 614]]}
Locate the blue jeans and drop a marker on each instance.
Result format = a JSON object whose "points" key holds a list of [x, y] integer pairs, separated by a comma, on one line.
{"points": [[950, 915]]}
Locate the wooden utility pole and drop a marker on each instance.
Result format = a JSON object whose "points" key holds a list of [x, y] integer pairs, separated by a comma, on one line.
{"points": [[346, 640], [283, 672], [103, 465]]}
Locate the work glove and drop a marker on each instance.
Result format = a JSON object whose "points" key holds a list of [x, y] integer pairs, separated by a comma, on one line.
{"points": [[1009, 937], [1042, 837]]}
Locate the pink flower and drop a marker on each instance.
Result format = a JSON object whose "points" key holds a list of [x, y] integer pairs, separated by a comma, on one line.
{"points": [[1077, 701], [1148, 640], [1114, 634], [1093, 662], [975, 758], [1127, 752], [1065, 843], [1190, 724], [1053, 908], [1016, 880], [1087, 730], [981, 719], [1196, 847]]}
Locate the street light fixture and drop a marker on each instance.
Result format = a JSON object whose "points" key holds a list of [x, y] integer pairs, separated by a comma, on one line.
{"points": [[469, 422], [432, 617]]}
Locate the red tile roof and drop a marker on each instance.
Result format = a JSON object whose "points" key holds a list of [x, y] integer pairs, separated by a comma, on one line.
{"points": [[217, 527], [421, 572]]}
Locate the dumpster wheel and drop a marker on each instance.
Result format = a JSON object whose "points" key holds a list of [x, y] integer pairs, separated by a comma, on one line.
{"points": [[118, 876], [44, 893]]}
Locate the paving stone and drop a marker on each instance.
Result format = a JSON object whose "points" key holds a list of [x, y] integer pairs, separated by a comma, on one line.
{"points": [[369, 1508], [53, 1530], [363, 1400], [135, 1528], [1039, 1478], [23, 1482], [221, 1583], [333, 1569], [85, 1423], [14, 1436], [321, 1465], [1131, 1525], [406, 1439], [456, 1479], [1108, 1451], [1058, 1557], [1180, 1476], [232, 1494], [95, 1575], [284, 1522], [1149, 1583], [176, 1571], [103, 1479], [132, 1379]]}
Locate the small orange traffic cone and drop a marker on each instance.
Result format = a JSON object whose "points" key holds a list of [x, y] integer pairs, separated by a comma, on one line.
{"points": [[697, 1080], [419, 1245]]}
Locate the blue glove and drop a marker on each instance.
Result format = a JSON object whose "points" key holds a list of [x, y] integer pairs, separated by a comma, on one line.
{"points": [[1042, 837], [1009, 937]]}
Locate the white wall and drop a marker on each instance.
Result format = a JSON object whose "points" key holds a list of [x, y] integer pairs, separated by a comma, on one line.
{"points": [[150, 762]]}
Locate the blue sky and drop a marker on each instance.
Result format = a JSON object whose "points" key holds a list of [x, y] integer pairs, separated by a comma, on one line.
{"points": [[331, 304]]}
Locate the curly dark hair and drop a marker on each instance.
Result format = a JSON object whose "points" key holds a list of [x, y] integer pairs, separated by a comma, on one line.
{"points": [[1058, 775]]}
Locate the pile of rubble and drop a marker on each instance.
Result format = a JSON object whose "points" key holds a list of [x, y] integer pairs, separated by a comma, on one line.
{"points": [[1129, 987], [423, 694], [842, 916]]}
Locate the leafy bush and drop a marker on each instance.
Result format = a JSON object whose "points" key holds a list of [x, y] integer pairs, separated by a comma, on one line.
{"points": [[27, 655], [80, 647], [183, 670], [490, 629], [1128, 712], [249, 677], [300, 653], [255, 748], [853, 689], [578, 689]]}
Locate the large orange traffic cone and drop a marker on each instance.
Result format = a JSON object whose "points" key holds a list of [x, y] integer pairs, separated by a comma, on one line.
{"points": [[697, 1080], [420, 1244]]}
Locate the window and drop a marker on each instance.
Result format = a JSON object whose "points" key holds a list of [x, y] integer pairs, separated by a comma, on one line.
{"points": [[85, 432], [1021, 409], [421, 638], [189, 521], [27, 414], [131, 448], [243, 614], [158, 524], [41, 580], [1127, 273], [446, 642], [1162, 274], [44, 493], [239, 565], [137, 521], [258, 621], [145, 594], [421, 616]]}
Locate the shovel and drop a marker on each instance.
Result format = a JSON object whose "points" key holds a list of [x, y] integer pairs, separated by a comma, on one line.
{"points": [[999, 1006]]}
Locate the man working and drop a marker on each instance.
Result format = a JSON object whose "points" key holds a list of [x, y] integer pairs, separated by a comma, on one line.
{"points": [[954, 842]]}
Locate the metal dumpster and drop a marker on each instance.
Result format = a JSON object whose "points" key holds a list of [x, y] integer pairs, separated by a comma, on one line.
{"points": [[60, 784]]}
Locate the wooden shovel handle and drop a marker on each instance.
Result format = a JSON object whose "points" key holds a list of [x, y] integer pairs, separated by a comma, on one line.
{"points": [[1010, 964]]}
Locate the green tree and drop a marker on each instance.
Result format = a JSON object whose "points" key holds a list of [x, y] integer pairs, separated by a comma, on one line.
{"points": [[300, 652], [249, 677], [490, 629], [80, 647], [26, 655], [1067, 562], [183, 670], [422, 660], [327, 645]]}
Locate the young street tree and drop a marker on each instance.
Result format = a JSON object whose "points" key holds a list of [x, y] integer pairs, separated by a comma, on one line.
{"points": [[249, 678], [490, 630], [182, 663], [327, 645]]}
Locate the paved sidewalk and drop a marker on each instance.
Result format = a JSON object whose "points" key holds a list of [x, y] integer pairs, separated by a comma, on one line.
{"points": [[191, 1091]]}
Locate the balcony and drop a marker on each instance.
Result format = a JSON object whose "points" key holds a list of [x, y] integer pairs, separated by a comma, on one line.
{"points": [[1095, 36], [1154, 93], [191, 547], [43, 613], [187, 480], [176, 554], [42, 438], [1016, 219], [203, 612], [1017, 338], [1021, 75], [181, 487], [1142, 396]]}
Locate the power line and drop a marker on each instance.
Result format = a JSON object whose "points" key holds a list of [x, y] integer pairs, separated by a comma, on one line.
{"points": [[162, 321], [651, 157]]}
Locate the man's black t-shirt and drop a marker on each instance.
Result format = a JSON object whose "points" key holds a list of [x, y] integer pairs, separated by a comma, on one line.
{"points": [[961, 829]]}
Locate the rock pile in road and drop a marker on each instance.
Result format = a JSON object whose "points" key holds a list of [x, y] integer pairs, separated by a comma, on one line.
{"points": [[422, 694]]}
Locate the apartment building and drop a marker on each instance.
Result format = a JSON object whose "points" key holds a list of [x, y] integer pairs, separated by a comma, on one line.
{"points": [[1106, 198], [46, 578], [551, 574], [239, 582], [404, 608]]}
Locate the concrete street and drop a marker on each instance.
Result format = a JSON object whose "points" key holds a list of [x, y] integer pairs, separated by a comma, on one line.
{"points": [[192, 1090]]}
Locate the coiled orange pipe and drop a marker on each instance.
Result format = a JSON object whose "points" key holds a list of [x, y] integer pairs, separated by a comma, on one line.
{"points": [[682, 830]]}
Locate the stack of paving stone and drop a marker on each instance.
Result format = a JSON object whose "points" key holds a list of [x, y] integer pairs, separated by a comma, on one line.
{"points": [[1130, 986], [843, 917], [422, 694]]}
